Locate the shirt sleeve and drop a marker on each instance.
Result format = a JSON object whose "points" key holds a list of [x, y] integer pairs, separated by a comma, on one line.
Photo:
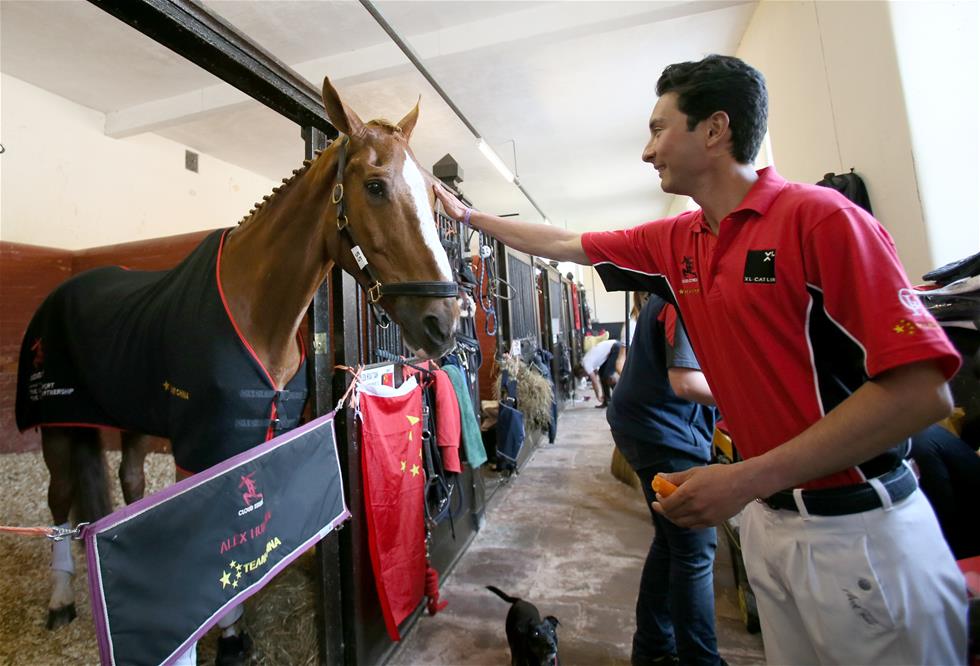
{"points": [[852, 261], [630, 259], [679, 353]]}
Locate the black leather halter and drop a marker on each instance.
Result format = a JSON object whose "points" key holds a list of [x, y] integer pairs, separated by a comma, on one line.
{"points": [[377, 289]]}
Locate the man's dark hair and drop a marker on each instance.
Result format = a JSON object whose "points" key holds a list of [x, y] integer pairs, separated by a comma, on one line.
{"points": [[721, 83]]}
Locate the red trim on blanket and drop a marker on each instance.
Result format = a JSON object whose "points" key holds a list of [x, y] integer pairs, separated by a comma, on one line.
{"points": [[238, 331]]}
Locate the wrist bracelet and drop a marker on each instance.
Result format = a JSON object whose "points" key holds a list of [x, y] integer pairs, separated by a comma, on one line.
{"points": [[466, 216]]}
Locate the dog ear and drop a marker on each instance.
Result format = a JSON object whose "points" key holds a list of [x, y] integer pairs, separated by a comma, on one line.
{"points": [[552, 620]]}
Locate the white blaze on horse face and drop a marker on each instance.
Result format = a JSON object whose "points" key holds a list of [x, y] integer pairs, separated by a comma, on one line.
{"points": [[427, 221]]}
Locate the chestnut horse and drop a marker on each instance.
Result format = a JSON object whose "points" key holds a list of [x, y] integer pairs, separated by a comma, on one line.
{"points": [[363, 203]]}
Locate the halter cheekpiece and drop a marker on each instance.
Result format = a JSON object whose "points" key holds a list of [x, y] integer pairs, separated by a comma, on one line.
{"points": [[377, 289]]}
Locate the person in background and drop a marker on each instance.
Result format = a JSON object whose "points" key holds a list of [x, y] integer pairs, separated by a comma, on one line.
{"points": [[662, 421], [820, 357], [602, 365]]}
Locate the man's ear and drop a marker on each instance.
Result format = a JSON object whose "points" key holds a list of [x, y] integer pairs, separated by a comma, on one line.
{"points": [[718, 128]]}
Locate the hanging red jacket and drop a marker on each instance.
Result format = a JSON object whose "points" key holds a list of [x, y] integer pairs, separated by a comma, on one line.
{"points": [[449, 427], [394, 481]]}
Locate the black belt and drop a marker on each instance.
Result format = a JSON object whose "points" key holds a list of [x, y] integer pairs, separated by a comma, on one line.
{"points": [[857, 498]]}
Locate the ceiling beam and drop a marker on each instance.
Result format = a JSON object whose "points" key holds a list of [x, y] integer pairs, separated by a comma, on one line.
{"points": [[191, 31], [549, 23]]}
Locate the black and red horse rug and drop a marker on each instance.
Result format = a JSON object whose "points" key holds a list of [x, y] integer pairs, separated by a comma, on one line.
{"points": [[156, 353]]}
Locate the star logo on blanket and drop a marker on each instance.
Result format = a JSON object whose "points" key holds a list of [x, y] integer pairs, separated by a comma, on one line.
{"points": [[236, 570], [174, 391]]}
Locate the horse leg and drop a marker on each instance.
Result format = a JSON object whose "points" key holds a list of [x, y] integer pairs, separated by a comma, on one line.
{"points": [[59, 446], [131, 476]]}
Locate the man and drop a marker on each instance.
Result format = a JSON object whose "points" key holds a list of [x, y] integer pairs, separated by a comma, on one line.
{"points": [[822, 362], [602, 365], [659, 427]]}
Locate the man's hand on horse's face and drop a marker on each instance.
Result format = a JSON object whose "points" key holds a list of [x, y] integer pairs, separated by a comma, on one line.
{"points": [[454, 208]]}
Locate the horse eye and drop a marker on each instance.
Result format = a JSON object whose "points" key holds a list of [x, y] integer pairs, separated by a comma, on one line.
{"points": [[375, 188]]}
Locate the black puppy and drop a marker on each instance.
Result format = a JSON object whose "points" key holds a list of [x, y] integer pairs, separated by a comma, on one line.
{"points": [[533, 641]]}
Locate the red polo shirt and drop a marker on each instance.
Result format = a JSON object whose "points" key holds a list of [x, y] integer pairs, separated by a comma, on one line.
{"points": [[797, 301]]}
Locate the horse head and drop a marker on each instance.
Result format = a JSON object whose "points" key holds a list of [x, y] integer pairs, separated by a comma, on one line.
{"points": [[386, 234]]}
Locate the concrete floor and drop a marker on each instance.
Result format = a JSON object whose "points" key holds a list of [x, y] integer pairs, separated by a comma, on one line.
{"points": [[570, 538]]}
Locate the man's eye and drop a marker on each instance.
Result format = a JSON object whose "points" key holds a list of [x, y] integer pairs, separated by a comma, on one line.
{"points": [[375, 188]]}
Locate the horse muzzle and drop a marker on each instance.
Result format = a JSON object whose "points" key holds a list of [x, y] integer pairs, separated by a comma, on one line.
{"points": [[433, 328]]}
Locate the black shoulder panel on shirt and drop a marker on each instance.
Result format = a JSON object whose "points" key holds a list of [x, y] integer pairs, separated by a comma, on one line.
{"points": [[617, 278]]}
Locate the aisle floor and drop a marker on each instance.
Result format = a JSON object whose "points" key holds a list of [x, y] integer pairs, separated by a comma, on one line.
{"points": [[570, 538]]}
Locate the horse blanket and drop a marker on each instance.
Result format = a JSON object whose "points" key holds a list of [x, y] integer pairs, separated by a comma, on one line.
{"points": [[156, 353]]}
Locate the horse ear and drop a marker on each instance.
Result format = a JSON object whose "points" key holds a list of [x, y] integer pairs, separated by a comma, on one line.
{"points": [[407, 124], [342, 117]]}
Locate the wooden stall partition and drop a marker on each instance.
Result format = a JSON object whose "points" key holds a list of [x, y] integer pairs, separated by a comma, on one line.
{"points": [[28, 273]]}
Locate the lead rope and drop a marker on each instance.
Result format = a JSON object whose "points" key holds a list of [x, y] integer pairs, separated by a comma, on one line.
{"points": [[54, 533]]}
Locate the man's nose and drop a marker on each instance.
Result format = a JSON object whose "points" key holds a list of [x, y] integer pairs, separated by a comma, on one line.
{"points": [[648, 153]]}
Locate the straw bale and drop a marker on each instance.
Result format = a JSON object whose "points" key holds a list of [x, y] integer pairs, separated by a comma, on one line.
{"points": [[534, 393]]}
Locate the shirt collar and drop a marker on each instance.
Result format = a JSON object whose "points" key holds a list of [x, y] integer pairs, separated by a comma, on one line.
{"points": [[763, 192], [759, 198]]}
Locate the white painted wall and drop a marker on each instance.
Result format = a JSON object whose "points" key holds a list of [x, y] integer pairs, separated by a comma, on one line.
{"points": [[938, 50], [840, 99], [66, 185]]}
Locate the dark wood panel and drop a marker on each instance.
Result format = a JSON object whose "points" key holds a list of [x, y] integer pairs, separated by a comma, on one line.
{"points": [[488, 348]]}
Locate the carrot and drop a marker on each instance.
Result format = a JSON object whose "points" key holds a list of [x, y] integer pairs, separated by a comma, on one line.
{"points": [[662, 486]]}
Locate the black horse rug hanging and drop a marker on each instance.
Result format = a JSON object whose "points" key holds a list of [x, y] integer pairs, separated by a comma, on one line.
{"points": [[157, 353]]}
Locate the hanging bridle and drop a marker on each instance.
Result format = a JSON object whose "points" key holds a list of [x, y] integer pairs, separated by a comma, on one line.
{"points": [[434, 289]]}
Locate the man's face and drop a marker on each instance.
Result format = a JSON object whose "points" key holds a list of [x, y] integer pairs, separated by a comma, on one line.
{"points": [[677, 154]]}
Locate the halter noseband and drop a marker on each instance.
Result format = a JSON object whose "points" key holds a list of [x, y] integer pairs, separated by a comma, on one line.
{"points": [[435, 289]]}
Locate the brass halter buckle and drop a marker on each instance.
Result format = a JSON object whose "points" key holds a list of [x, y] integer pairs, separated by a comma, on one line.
{"points": [[374, 293], [338, 193], [341, 222]]}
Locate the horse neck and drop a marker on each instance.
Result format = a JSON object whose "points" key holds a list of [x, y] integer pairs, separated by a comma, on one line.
{"points": [[273, 263]]}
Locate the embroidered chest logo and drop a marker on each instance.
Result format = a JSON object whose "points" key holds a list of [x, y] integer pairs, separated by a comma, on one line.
{"points": [[760, 266], [688, 274]]}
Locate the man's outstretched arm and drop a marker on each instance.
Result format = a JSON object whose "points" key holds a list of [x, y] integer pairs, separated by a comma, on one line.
{"points": [[541, 240]]}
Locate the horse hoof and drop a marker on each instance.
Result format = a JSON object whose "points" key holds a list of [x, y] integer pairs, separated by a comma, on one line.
{"points": [[233, 650], [59, 617]]}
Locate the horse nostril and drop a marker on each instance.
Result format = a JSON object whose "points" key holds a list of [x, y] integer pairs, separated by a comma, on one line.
{"points": [[434, 329]]}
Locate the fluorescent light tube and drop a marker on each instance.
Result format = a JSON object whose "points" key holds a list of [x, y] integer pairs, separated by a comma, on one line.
{"points": [[495, 160]]}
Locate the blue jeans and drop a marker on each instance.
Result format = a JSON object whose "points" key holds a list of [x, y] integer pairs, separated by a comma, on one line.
{"points": [[675, 609]]}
